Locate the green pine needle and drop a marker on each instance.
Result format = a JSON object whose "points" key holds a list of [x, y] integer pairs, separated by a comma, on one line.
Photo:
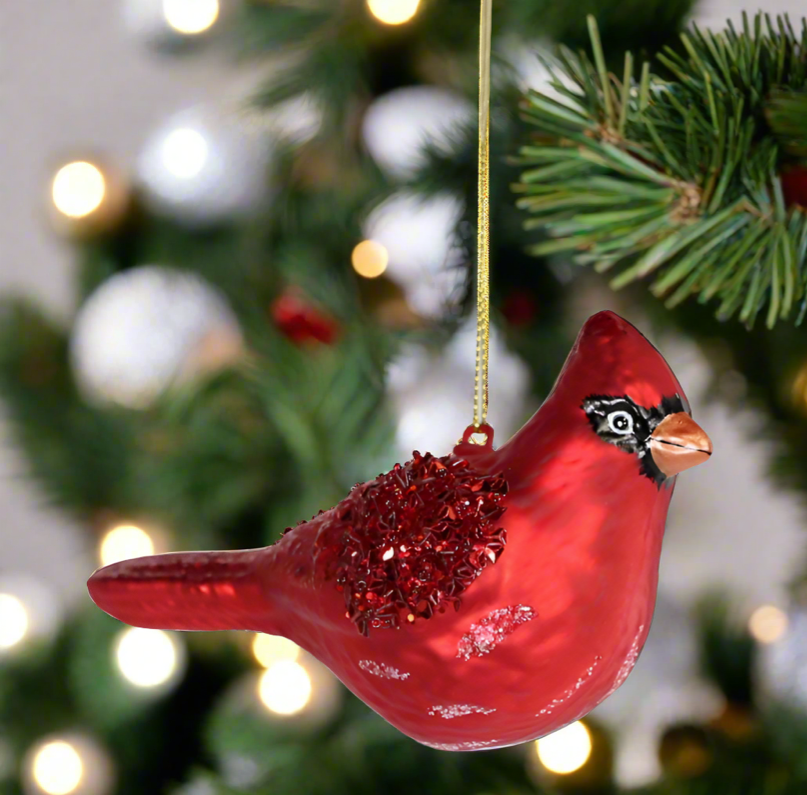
{"points": [[681, 177]]}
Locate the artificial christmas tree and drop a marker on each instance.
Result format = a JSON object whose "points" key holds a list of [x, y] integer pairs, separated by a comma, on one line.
{"points": [[228, 456]]}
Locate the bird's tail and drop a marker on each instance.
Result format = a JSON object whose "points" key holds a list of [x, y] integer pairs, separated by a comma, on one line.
{"points": [[186, 591]]}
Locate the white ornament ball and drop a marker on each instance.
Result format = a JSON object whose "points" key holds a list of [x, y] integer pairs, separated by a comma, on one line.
{"points": [[420, 236], [297, 120], [147, 328], [399, 124], [203, 168], [534, 70]]}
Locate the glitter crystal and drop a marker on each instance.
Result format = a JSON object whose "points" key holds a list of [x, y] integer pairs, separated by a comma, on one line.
{"points": [[466, 746], [443, 518], [629, 662], [458, 710], [492, 630], [569, 692], [382, 670]]}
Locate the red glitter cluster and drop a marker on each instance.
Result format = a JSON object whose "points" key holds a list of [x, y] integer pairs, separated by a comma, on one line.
{"points": [[411, 541]]}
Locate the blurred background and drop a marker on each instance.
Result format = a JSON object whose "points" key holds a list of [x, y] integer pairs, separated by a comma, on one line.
{"points": [[236, 238]]}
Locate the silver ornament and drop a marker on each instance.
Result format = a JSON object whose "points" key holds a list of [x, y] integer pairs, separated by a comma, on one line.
{"points": [[204, 167], [399, 124], [419, 235], [147, 328]]}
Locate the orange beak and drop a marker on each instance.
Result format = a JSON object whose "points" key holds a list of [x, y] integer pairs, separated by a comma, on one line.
{"points": [[679, 443]]}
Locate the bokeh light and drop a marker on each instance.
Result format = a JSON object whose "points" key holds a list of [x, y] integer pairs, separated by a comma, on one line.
{"points": [[191, 17], [184, 152], [767, 624], [566, 750], [13, 621], [393, 12], [78, 189], [57, 768], [123, 543], [285, 688], [370, 259], [271, 649], [147, 657]]}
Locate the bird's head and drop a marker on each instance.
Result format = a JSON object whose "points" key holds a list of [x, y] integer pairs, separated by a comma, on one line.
{"points": [[616, 389], [664, 438]]}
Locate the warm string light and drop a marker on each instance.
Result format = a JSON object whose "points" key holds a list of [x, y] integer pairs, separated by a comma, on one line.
{"points": [[57, 768], [393, 12], [13, 621], [190, 17], [78, 189], [123, 543], [767, 624], [147, 658], [566, 750], [285, 688], [271, 649], [370, 259]]}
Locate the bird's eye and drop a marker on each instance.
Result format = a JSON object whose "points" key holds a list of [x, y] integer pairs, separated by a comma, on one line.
{"points": [[620, 422]]}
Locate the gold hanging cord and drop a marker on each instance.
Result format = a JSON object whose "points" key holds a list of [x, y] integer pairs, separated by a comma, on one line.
{"points": [[483, 223]]}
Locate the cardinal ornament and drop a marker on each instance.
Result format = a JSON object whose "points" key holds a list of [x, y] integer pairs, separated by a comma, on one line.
{"points": [[480, 599]]}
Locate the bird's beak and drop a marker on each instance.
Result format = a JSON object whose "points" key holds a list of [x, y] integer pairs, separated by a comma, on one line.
{"points": [[679, 443]]}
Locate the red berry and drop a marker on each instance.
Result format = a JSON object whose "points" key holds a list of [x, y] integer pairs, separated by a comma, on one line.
{"points": [[794, 186], [520, 308], [302, 322]]}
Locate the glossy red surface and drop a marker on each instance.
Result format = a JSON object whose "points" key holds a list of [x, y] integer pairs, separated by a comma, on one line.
{"points": [[541, 637]]}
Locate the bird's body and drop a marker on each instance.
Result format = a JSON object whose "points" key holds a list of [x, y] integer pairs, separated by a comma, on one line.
{"points": [[544, 630]]}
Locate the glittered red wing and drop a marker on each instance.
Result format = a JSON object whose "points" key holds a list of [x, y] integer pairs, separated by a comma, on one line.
{"points": [[409, 543], [184, 591]]}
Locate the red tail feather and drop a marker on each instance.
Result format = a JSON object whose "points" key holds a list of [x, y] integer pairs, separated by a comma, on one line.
{"points": [[185, 591]]}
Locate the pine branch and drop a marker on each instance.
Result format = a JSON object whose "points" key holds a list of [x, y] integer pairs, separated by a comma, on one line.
{"points": [[263, 27], [330, 72], [786, 113], [340, 54], [79, 454], [681, 178]]}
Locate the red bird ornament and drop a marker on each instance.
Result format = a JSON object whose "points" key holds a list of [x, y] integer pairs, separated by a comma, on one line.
{"points": [[481, 599]]}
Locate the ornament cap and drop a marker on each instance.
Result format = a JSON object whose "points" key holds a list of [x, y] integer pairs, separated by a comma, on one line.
{"points": [[480, 435]]}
